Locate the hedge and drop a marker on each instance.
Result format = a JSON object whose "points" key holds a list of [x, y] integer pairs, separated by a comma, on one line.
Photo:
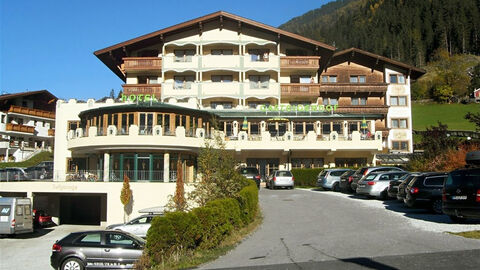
{"points": [[202, 228], [306, 177]]}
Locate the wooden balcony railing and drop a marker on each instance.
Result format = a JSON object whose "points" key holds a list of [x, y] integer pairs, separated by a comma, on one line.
{"points": [[30, 111], [149, 89], [51, 132], [300, 62], [363, 109], [142, 63], [20, 128], [353, 87], [300, 89]]}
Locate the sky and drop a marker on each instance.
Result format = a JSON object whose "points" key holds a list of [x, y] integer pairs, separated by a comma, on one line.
{"points": [[49, 44]]}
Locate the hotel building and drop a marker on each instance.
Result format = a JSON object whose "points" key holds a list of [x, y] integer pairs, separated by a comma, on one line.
{"points": [[277, 99]]}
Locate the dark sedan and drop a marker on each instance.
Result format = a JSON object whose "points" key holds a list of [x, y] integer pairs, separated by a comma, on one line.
{"points": [[346, 181], [97, 249]]}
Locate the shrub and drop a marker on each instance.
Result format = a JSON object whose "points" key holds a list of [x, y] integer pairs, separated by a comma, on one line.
{"points": [[306, 177], [173, 233], [248, 200]]}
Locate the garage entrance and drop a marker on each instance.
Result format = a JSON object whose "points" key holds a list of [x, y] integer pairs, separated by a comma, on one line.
{"points": [[82, 209]]}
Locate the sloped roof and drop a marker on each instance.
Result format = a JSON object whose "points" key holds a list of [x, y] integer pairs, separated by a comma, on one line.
{"points": [[414, 72], [108, 54], [29, 93]]}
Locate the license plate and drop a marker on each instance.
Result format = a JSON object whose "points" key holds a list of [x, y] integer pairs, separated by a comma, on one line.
{"points": [[361, 185], [459, 197]]}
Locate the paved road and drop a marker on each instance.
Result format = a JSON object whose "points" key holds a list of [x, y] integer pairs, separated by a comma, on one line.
{"points": [[32, 251], [322, 230]]}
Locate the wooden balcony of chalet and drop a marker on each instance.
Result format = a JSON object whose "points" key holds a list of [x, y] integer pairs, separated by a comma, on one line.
{"points": [[142, 63], [353, 87], [300, 89], [363, 109], [300, 62], [31, 112], [148, 89], [20, 128]]}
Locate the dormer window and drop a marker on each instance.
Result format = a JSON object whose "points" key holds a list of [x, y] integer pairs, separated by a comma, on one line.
{"points": [[358, 79]]}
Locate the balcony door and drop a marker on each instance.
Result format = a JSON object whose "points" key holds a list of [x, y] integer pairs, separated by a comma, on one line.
{"points": [[145, 123]]}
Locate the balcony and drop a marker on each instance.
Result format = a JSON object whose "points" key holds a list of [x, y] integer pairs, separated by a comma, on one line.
{"points": [[20, 128], [214, 89], [170, 90], [142, 63], [300, 62], [31, 112], [179, 64], [135, 89], [353, 87], [228, 62], [300, 89], [261, 91], [363, 109]]}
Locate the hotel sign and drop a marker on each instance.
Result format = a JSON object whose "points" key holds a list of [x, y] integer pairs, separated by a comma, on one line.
{"points": [[299, 108], [139, 98]]}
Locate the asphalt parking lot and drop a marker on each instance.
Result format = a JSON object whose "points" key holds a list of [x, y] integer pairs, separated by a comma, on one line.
{"points": [[32, 251]]}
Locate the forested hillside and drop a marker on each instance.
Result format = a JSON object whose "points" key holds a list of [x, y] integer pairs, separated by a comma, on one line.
{"points": [[406, 30]]}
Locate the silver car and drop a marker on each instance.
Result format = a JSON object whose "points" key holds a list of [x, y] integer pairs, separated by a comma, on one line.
{"points": [[280, 179], [138, 226], [376, 184], [330, 179]]}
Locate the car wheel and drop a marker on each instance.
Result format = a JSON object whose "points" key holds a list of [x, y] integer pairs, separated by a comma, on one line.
{"points": [[72, 264], [456, 219], [335, 187], [437, 207]]}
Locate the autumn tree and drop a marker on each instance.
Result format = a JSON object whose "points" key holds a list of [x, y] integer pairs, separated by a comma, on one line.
{"points": [[125, 196], [178, 201]]}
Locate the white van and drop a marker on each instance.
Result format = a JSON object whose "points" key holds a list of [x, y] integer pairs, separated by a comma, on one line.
{"points": [[15, 215]]}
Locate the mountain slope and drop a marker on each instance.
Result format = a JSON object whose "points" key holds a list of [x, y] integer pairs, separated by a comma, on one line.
{"points": [[405, 30]]}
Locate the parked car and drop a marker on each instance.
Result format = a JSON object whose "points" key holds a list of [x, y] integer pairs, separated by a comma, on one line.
{"points": [[280, 179], [251, 173], [138, 226], [39, 171], [376, 184], [330, 178], [425, 190], [346, 181], [41, 219], [461, 191], [13, 174], [392, 189], [402, 188], [97, 249], [363, 172]]}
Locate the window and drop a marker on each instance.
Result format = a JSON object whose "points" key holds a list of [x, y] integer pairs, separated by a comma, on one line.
{"points": [[226, 105], [326, 129], [3, 119], [397, 78], [399, 123], [19, 211], [183, 55], [259, 55], [255, 104], [93, 238], [353, 126], [301, 79], [303, 102], [183, 82], [329, 78], [359, 101], [398, 101], [222, 78], [222, 52], [358, 79], [259, 81], [434, 181], [330, 101], [119, 239], [400, 145]]}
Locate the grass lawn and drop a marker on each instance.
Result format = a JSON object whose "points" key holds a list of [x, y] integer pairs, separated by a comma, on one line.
{"points": [[42, 156], [470, 234], [425, 115]]}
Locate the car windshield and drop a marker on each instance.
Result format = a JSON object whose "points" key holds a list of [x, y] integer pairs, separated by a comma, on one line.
{"points": [[248, 171], [284, 174], [467, 178], [337, 173]]}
